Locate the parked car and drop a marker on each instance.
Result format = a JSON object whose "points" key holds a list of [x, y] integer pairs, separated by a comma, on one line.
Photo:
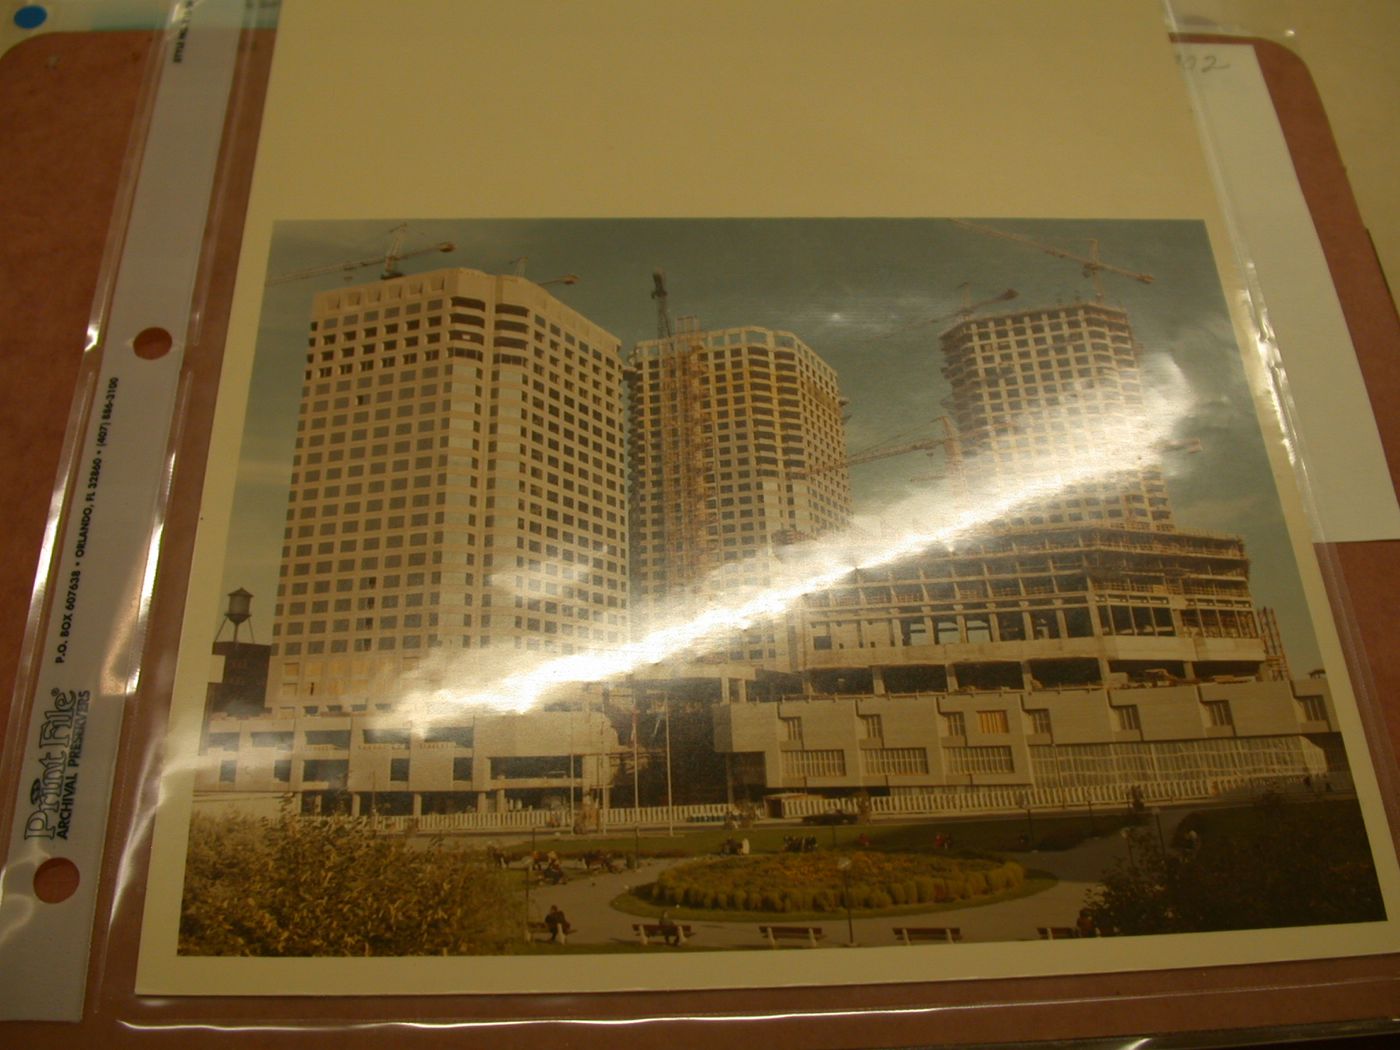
{"points": [[831, 816]]}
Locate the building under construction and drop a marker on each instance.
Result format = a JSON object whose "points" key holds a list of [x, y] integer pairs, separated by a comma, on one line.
{"points": [[1087, 644], [458, 486], [737, 444]]}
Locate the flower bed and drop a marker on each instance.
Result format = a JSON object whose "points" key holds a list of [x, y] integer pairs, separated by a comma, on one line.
{"points": [[812, 882]]}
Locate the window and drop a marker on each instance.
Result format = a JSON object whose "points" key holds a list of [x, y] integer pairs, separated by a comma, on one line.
{"points": [[461, 769], [228, 771], [398, 769], [282, 770], [1218, 713], [980, 760], [1127, 717], [954, 724], [1314, 708], [386, 737], [792, 730], [461, 736], [992, 722], [329, 738], [814, 763], [872, 727], [895, 760], [1040, 722]]}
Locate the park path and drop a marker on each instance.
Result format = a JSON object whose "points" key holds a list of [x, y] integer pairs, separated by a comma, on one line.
{"points": [[586, 901]]}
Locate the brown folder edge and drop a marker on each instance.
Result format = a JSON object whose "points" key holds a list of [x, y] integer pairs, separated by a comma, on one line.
{"points": [[73, 100]]}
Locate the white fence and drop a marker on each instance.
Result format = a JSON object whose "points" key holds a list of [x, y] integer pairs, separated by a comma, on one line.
{"points": [[554, 819], [962, 801]]}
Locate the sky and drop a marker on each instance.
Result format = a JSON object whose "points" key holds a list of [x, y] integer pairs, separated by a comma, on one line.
{"points": [[869, 296]]}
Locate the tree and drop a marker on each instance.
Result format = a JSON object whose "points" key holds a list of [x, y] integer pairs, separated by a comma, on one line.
{"points": [[1274, 864], [297, 887]]}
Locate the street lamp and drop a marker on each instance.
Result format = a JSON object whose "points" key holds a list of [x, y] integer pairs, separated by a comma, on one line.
{"points": [[670, 801], [844, 866], [529, 873]]}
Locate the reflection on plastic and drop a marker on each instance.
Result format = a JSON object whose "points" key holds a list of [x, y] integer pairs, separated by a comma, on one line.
{"points": [[729, 600]]}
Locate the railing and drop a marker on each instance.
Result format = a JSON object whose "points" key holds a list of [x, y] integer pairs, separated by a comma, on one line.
{"points": [[962, 801], [551, 819]]}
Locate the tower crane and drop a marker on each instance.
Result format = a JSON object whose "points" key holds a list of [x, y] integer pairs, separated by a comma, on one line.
{"points": [[389, 260], [663, 314], [948, 441], [952, 448], [1093, 265]]}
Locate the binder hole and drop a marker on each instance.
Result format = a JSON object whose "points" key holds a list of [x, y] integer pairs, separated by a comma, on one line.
{"points": [[152, 343], [56, 880]]}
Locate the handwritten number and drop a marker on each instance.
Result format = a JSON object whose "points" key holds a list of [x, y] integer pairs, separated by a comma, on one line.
{"points": [[1206, 64]]}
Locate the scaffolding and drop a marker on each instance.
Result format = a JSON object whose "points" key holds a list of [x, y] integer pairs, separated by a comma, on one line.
{"points": [[688, 509], [1275, 659]]}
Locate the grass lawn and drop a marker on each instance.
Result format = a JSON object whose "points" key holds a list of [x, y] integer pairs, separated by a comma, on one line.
{"points": [[539, 948], [988, 835], [1036, 882]]}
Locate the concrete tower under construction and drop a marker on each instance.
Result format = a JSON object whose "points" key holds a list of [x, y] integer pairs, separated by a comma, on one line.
{"points": [[737, 445], [1034, 390]]}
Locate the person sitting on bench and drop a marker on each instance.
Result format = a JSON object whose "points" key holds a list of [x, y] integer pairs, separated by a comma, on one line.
{"points": [[670, 932]]}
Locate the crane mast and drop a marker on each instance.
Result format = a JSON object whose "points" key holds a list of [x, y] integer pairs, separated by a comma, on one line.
{"points": [[663, 313]]}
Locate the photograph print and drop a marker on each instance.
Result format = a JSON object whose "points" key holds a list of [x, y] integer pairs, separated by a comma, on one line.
{"points": [[681, 586]]}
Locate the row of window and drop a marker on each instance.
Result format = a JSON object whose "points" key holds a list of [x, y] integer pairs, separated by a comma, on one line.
{"points": [[1216, 714]]}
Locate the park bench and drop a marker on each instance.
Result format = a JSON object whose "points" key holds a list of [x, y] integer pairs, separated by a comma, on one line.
{"points": [[648, 931], [1056, 933], [928, 934], [810, 934], [536, 931]]}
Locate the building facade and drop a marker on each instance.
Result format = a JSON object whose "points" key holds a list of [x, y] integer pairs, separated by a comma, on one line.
{"points": [[387, 760], [458, 484], [1057, 746]]}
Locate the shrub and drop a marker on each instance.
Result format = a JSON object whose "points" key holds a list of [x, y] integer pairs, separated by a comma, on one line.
{"points": [[812, 882], [295, 887]]}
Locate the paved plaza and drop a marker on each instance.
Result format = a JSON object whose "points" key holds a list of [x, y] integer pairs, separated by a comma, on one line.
{"points": [[586, 901]]}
